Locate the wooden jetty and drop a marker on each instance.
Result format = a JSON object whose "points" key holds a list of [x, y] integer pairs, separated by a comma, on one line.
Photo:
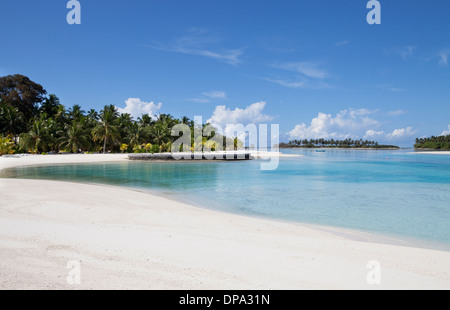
{"points": [[219, 156]]}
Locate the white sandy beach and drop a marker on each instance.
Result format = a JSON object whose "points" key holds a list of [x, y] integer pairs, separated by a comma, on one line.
{"points": [[127, 239]]}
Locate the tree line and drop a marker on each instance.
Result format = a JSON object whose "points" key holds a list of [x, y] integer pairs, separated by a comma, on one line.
{"points": [[32, 122], [433, 143], [332, 143]]}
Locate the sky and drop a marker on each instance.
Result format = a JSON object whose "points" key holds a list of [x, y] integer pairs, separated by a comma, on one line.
{"points": [[316, 68]]}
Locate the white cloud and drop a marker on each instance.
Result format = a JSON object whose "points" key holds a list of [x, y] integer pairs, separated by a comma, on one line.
{"points": [[373, 134], [304, 84], [136, 107], [290, 84], [351, 123], [200, 42], [396, 113], [210, 96], [346, 124], [407, 51], [401, 133], [308, 75], [404, 52], [252, 114], [443, 57], [229, 56], [215, 94], [226, 119], [307, 69], [446, 132]]}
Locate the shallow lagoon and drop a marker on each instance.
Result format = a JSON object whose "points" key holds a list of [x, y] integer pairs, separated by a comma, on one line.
{"points": [[398, 193]]}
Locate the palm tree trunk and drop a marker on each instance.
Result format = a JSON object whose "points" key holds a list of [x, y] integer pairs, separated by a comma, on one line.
{"points": [[104, 146]]}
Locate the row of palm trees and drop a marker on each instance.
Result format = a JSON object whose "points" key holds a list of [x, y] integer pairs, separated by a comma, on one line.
{"points": [[57, 129], [434, 142]]}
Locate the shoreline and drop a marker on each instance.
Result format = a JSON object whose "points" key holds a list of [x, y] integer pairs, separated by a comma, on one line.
{"points": [[347, 233], [230, 241], [353, 234]]}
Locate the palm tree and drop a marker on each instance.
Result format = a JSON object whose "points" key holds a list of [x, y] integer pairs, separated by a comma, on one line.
{"points": [[124, 122], [50, 106], [237, 144], [167, 120], [52, 131], [145, 120], [74, 138], [92, 114], [37, 138], [76, 113], [163, 117], [185, 120], [11, 121], [61, 116], [107, 129], [160, 133], [136, 134]]}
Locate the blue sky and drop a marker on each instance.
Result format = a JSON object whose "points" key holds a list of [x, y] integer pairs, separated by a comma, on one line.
{"points": [[317, 68]]}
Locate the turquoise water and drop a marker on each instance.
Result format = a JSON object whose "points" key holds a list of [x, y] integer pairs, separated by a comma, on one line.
{"points": [[391, 192]]}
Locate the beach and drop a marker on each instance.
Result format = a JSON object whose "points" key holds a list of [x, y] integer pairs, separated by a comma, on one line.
{"points": [[128, 239]]}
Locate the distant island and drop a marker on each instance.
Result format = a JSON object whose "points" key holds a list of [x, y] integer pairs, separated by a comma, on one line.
{"points": [[344, 144], [433, 143]]}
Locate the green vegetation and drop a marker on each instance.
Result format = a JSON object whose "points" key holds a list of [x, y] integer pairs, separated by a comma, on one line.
{"points": [[347, 143], [31, 122], [433, 143], [6, 146]]}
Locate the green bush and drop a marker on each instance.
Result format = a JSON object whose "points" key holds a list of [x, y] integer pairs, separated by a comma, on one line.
{"points": [[138, 149], [6, 146], [155, 149]]}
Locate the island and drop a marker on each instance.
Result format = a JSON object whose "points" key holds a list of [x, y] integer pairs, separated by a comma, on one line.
{"points": [[343, 144], [441, 143]]}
